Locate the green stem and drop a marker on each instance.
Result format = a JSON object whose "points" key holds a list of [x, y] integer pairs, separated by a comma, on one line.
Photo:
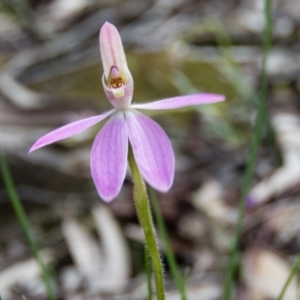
{"points": [[298, 291], [148, 272], [290, 277], [260, 121], [144, 214], [21, 214], [180, 283]]}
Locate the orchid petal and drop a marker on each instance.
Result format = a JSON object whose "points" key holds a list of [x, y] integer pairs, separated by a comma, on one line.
{"points": [[109, 157], [152, 150], [181, 101], [68, 131], [111, 48]]}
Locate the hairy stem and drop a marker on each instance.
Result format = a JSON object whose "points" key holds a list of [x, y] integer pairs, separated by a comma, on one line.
{"points": [[179, 281], [145, 218]]}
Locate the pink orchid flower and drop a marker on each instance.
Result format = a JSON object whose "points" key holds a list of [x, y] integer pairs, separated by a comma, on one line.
{"points": [[151, 146]]}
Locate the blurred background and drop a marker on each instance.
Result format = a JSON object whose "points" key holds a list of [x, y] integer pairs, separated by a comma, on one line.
{"points": [[50, 74]]}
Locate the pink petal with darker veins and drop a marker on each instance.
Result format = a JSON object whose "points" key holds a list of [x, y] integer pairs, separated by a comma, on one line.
{"points": [[152, 150], [109, 157], [68, 131], [181, 101]]}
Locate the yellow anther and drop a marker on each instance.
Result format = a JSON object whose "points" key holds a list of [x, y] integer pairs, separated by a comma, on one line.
{"points": [[116, 82]]}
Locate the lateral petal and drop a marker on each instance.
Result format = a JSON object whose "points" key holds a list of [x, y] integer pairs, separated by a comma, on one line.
{"points": [[68, 131], [181, 101], [109, 157], [152, 150]]}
